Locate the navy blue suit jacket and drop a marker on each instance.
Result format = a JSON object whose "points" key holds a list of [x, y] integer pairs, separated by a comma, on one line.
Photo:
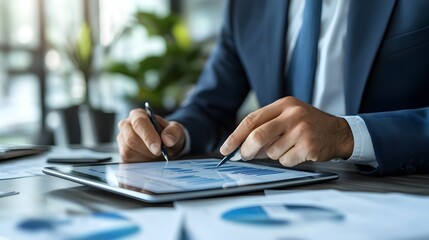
{"points": [[386, 76]]}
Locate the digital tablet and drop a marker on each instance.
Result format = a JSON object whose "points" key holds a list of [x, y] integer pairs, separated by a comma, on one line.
{"points": [[185, 179]]}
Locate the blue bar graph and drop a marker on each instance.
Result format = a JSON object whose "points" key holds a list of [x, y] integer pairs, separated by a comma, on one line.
{"points": [[193, 174]]}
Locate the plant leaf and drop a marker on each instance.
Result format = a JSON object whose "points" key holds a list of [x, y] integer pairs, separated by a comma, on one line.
{"points": [[84, 44], [181, 34]]}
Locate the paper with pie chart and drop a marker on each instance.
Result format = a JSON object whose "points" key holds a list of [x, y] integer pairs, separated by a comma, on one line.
{"points": [[132, 224], [318, 214], [280, 214]]}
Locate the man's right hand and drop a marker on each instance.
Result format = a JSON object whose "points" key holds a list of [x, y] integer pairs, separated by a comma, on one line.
{"points": [[138, 140]]}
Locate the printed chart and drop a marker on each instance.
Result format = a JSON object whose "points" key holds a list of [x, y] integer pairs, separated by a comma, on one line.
{"points": [[280, 214], [95, 226]]}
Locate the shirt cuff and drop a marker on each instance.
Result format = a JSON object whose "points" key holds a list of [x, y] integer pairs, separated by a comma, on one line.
{"points": [[363, 151], [187, 148]]}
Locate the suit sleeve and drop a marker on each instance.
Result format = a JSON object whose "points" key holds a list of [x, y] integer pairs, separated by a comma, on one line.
{"points": [[209, 114], [401, 141]]}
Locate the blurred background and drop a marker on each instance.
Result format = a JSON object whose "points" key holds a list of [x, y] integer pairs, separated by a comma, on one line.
{"points": [[70, 69]]}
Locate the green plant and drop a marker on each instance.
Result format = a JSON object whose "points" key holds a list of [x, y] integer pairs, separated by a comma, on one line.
{"points": [[80, 51], [170, 73]]}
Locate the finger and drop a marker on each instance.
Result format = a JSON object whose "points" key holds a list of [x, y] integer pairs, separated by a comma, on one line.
{"points": [[145, 130], [262, 154], [283, 144], [130, 139], [249, 123], [261, 137], [293, 157], [162, 122], [128, 154], [172, 134]]}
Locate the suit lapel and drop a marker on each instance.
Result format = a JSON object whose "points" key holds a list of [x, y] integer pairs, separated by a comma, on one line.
{"points": [[276, 27], [367, 23]]}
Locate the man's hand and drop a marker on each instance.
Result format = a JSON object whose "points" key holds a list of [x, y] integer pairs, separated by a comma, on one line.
{"points": [[293, 132], [138, 140]]}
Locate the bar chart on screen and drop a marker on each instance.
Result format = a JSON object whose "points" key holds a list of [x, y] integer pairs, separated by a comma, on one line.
{"points": [[193, 175]]}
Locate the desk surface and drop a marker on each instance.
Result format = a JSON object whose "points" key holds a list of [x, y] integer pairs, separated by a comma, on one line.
{"points": [[50, 195]]}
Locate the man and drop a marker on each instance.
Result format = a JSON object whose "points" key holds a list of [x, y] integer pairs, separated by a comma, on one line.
{"points": [[363, 65]]}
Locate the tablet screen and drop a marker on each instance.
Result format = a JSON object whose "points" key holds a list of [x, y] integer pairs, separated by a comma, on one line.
{"points": [[187, 175]]}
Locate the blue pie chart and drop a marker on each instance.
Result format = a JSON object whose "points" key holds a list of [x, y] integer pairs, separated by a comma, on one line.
{"points": [[280, 214], [53, 226]]}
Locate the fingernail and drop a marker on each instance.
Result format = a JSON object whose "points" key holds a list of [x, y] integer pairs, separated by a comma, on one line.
{"points": [[169, 140], [224, 147], [154, 148], [244, 157]]}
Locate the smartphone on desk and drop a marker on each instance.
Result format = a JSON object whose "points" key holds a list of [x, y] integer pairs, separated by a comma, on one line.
{"points": [[78, 160]]}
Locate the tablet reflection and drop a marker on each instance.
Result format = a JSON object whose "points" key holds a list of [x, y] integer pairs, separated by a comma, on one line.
{"points": [[122, 178]]}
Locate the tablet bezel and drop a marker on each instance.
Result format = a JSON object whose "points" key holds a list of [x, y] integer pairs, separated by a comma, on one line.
{"points": [[151, 197]]}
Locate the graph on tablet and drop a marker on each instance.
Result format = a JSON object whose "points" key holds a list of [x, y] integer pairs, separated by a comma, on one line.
{"points": [[189, 175]]}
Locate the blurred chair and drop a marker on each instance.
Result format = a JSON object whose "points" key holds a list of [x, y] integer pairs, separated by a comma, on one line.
{"points": [[81, 125]]}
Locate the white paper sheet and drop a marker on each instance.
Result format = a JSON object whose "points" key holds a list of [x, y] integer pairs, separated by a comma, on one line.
{"points": [[32, 166], [149, 223], [157, 223], [325, 214]]}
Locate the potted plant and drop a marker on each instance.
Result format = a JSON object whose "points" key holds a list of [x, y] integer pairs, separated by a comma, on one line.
{"points": [[83, 123], [163, 79]]}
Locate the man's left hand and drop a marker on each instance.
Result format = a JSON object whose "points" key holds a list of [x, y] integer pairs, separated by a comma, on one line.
{"points": [[293, 132]]}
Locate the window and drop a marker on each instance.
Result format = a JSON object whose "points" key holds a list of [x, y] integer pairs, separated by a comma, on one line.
{"points": [[36, 76]]}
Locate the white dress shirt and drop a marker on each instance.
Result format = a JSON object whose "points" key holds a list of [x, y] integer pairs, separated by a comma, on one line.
{"points": [[328, 92]]}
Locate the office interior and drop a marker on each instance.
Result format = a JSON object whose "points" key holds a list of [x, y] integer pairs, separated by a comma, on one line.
{"points": [[44, 86], [70, 70]]}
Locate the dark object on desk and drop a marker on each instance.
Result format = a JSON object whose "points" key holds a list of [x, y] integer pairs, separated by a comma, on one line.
{"points": [[15, 151], [7, 194], [79, 160]]}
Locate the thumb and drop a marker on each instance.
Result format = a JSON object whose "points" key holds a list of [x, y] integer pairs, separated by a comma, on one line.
{"points": [[172, 134]]}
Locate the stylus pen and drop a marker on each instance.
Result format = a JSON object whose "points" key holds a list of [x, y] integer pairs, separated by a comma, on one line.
{"points": [[6, 194], [158, 129], [228, 157]]}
